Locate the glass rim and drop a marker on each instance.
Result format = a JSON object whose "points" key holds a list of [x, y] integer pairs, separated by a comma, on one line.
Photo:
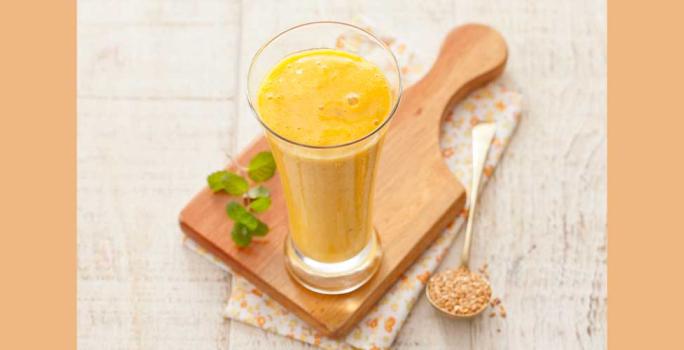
{"points": [[349, 143]]}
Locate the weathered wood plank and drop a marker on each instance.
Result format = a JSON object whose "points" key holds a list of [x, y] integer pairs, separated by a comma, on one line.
{"points": [[156, 83]]}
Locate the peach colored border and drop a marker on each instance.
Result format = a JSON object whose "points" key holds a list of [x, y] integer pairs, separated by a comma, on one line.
{"points": [[645, 175], [38, 173]]}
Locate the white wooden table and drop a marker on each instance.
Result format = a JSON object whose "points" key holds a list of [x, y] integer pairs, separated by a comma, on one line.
{"points": [[161, 98]]}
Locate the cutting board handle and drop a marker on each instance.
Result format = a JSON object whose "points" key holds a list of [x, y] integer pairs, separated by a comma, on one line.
{"points": [[470, 56]]}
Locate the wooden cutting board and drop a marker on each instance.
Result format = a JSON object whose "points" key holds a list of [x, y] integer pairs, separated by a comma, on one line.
{"points": [[416, 195]]}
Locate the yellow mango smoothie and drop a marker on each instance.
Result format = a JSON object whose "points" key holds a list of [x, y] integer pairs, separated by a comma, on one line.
{"points": [[323, 108]]}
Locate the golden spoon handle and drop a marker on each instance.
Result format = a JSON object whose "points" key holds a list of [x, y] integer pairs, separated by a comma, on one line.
{"points": [[482, 136]]}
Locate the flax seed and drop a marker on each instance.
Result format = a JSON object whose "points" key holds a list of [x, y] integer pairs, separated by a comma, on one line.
{"points": [[459, 292]]}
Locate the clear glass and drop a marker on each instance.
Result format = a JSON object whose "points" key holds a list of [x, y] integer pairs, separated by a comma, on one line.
{"points": [[332, 247]]}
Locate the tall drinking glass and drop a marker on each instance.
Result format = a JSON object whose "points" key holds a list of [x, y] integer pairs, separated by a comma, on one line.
{"points": [[332, 246]]}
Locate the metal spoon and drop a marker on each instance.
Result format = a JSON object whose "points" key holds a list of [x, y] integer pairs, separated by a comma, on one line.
{"points": [[482, 136]]}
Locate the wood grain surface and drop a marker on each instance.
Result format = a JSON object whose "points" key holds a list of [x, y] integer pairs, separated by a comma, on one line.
{"points": [[161, 99], [407, 219]]}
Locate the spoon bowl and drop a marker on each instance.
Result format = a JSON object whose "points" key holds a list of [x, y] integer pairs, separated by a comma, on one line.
{"points": [[447, 312]]}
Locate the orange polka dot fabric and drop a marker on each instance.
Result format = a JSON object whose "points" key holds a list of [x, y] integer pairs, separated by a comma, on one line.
{"points": [[492, 103]]}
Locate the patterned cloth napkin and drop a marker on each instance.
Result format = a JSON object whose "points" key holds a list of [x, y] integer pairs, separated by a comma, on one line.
{"points": [[382, 324]]}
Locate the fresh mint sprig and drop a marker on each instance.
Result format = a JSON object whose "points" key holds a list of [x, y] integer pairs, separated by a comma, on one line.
{"points": [[260, 204], [255, 200], [240, 215], [261, 167], [230, 182]]}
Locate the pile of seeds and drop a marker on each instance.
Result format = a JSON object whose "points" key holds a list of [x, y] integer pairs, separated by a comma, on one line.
{"points": [[459, 292]]}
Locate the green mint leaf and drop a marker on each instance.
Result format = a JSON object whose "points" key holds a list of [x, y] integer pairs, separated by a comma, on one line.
{"points": [[241, 235], [230, 182], [258, 192], [260, 205], [261, 230], [261, 167], [235, 184], [216, 180], [240, 215]]}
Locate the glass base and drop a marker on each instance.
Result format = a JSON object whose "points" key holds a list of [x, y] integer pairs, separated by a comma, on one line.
{"points": [[334, 278]]}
